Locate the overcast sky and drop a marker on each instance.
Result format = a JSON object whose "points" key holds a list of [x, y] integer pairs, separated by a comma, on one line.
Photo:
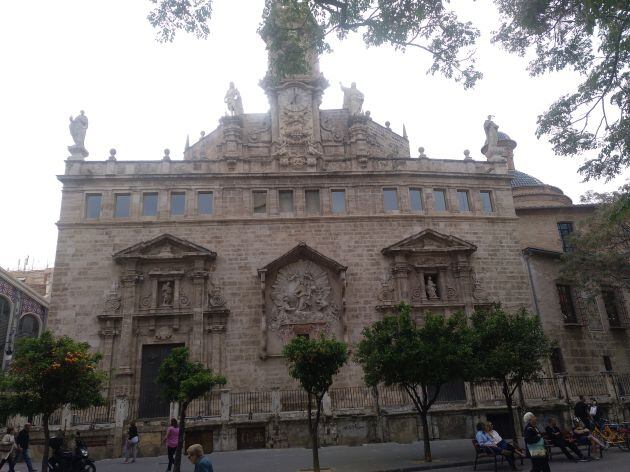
{"points": [[142, 96]]}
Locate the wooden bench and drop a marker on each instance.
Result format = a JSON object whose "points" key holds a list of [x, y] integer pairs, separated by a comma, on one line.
{"points": [[586, 448], [483, 452]]}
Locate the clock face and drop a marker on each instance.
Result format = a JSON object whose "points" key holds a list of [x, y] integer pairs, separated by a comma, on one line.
{"points": [[294, 98]]}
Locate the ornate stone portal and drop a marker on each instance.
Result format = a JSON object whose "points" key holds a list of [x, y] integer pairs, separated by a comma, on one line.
{"points": [[303, 295]]}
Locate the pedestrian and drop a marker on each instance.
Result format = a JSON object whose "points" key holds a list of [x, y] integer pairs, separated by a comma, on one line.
{"points": [[581, 411], [23, 442], [595, 412], [555, 435], [195, 455], [131, 446], [8, 448], [535, 443], [171, 440]]}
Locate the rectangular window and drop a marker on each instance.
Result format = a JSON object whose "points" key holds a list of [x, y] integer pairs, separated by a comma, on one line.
{"points": [[260, 202], [390, 199], [565, 229], [415, 199], [462, 200], [149, 204], [285, 198], [205, 203], [557, 361], [567, 307], [313, 203], [178, 203], [608, 364], [486, 201], [122, 205], [93, 206], [612, 309], [439, 197], [338, 201]]}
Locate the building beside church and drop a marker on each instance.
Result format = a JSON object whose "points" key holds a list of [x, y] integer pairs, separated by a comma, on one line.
{"points": [[23, 313], [302, 221]]}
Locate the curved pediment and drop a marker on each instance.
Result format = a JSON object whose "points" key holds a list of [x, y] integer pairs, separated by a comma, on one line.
{"points": [[164, 247], [303, 251], [430, 241]]}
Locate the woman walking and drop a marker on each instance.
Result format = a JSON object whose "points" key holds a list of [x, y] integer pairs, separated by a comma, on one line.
{"points": [[535, 443], [172, 437], [8, 449], [131, 447]]}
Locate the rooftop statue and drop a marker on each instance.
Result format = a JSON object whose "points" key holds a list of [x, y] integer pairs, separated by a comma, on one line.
{"points": [[78, 127], [352, 99], [234, 101], [492, 132]]}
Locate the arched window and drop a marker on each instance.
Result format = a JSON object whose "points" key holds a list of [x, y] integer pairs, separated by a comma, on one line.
{"points": [[28, 327], [5, 316]]}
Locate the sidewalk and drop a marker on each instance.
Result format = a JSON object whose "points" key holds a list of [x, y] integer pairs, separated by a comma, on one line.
{"points": [[389, 457]]}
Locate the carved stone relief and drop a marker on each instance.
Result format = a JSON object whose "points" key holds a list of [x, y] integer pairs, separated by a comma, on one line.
{"points": [[301, 295]]}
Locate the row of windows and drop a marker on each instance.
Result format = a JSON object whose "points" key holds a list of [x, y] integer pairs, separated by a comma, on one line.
{"points": [[312, 200]]}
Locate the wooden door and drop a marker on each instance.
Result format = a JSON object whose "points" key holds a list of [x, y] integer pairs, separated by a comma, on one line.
{"points": [[152, 405]]}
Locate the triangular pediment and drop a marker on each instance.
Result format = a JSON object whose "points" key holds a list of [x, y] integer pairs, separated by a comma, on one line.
{"points": [[164, 247], [430, 241], [303, 251]]}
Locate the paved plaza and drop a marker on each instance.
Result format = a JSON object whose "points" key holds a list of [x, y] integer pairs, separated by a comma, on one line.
{"points": [[452, 455]]}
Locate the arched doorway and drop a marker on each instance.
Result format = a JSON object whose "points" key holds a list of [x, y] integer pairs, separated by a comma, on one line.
{"points": [[28, 326]]}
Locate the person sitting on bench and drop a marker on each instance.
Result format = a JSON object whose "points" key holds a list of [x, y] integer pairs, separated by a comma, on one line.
{"points": [[487, 444], [502, 443], [555, 436]]}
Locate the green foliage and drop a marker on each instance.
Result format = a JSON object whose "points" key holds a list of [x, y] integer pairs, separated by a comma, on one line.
{"points": [[509, 346], [47, 372], [593, 38], [170, 16], [601, 254], [314, 362], [183, 381], [395, 351]]}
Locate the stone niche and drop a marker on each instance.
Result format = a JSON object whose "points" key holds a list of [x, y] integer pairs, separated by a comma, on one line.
{"points": [[431, 271], [302, 295]]}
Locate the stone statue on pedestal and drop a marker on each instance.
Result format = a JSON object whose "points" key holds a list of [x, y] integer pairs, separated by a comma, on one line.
{"points": [[493, 152], [167, 294], [431, 289], [234, 101], [78, 127], [352, 99]]}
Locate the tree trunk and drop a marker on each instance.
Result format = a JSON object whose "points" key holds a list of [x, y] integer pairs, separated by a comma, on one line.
{"points": [[313, 430], [509, 403], [45, 419], [425, 436], [182, 434]]}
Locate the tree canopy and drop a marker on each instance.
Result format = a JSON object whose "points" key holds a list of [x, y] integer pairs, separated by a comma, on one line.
{"points": [[418, 359], [601, 243], [182, 381], [510, 348], [590, 37], [314, 363], [47, 373]]}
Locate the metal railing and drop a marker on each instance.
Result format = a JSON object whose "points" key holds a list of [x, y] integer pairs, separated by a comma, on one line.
{"points": [[93, 415], [547, 388], [587, 385], [207, 406], [243, 403], [293, 400], [346, 398]]}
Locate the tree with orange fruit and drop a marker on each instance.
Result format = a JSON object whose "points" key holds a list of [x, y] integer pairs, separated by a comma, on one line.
{"points": [[47, 373]]}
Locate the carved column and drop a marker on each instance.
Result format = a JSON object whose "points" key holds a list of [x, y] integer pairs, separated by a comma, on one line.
{"points": [[198, 302], [232, 136], [263, 318], [357, 134], [129, 282], [400, 272]]}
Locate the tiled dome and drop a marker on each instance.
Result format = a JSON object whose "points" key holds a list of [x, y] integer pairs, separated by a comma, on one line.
{"points": [[521, 179]]}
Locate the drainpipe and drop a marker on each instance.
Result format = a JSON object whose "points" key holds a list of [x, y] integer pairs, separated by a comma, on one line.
{"points": [[531, 283]]}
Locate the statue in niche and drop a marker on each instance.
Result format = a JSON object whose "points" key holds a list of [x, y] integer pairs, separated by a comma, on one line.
{"points": [[166, 294], [352, 99], [78, 127], [234, 101], [431, 289], [492, 135]]}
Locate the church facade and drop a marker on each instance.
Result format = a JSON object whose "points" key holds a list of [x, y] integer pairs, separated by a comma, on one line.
{"points": [[303, 221]]}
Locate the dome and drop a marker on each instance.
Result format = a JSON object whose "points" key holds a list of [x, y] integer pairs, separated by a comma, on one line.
{"points": [[503, 136], [521, 179]]}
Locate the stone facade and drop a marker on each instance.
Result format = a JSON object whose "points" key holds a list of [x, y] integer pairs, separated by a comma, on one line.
{"points": [[295, 222]]}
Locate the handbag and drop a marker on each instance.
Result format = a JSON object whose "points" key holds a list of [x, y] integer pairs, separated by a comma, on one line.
{"points": [[537, 449], [6, 445]]}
